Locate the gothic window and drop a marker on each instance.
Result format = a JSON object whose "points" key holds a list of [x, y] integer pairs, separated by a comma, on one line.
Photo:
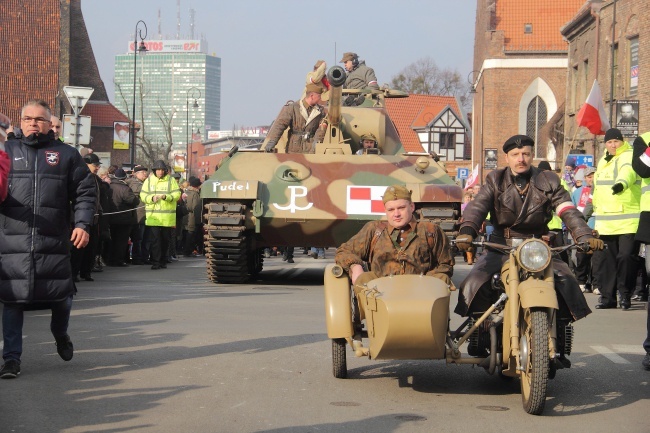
{"points": [[535, 119]]}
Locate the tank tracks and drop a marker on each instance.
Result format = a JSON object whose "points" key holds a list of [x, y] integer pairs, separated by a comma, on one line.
{"points": [[229, 246]]}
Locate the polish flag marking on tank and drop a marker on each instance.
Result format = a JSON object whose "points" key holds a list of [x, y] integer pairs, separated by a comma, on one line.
{"points": [[365, 200]]}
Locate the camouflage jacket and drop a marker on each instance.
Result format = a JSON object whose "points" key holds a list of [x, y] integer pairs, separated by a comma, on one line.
{"points": [[418, 255], [361, 77], [303, 128]]}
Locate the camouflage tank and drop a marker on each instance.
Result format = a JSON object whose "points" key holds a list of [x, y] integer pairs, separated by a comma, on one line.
{"points": [[257, 200]]}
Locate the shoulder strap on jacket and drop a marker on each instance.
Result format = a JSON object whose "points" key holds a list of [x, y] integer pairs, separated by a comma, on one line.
{"points": [[380, 228]]}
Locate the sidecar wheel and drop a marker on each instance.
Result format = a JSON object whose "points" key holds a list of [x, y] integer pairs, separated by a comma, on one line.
{"points": [[534, 378], [339, 362]]}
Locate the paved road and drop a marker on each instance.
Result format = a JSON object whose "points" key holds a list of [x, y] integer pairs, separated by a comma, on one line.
{"points": [[167, 351]]}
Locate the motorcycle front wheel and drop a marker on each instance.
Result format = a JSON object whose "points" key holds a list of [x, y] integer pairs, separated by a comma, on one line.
{"points": [[535, 360]]}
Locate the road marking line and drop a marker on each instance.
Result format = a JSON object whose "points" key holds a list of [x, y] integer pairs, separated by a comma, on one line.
{"points": [[635, 349], [607, 353]]}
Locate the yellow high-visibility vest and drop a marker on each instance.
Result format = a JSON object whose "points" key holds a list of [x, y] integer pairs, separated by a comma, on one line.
{"points": [[617, 214]]}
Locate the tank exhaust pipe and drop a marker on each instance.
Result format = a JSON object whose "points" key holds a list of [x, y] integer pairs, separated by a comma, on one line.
{"points": [[336, 77]]}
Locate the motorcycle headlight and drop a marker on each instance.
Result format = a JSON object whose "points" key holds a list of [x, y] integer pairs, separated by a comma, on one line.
{"points": [[534, 255]]}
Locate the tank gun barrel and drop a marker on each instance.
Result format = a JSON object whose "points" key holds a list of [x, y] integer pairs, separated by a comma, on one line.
{"points": [[336, 77]]}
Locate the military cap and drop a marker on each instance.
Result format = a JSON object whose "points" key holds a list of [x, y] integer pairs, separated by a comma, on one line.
{"points": [[517, 141], [396, 192], [348, 56], [313, 88]]}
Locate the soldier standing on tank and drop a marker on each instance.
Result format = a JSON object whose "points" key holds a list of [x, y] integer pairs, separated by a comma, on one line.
{"points": [[303, 119], [319, 78]]}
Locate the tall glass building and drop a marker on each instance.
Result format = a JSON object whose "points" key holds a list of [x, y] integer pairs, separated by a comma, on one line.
{"points": [[169, 78]]}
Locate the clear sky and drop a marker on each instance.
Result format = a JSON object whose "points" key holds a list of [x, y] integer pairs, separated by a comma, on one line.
{"points": [[268, 46]]}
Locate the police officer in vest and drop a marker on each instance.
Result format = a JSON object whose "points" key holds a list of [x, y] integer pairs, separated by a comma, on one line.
{"points": [[160, 192], [641, 165], [616, 196]]}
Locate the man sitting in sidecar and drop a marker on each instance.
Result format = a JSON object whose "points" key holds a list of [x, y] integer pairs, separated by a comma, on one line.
{"points": [[401, 245], [520, 200]]}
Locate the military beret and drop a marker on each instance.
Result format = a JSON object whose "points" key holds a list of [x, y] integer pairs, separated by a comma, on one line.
{"points": [[348, 56], [313, 88], [517, 141], [396, 192]]}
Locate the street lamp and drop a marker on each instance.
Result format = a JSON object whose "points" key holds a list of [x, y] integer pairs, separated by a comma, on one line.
{"points": [[190, 95], [142, 49], [198, 132]]}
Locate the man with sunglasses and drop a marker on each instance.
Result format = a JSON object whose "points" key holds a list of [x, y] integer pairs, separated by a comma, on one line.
{"points": [[48, 180]]}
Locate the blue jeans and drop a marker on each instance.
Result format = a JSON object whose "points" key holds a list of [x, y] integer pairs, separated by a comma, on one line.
{"points": [[12, 325], [320, 252]]}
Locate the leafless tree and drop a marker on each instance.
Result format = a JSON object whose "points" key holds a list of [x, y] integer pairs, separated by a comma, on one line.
{"points": [[424, 77], [148, 151]]}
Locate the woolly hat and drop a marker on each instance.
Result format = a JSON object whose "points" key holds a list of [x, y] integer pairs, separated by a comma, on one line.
{"points": [[119, 174], [91, 158], [613, 134], [544, 165], [195, 182], [396, 192]]}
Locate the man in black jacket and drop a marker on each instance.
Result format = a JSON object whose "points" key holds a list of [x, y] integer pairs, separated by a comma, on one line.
{"points": [[47, 179], [520, 199]]}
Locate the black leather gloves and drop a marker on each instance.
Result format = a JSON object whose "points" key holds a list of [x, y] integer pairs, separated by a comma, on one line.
{"points": [[617, 188]]}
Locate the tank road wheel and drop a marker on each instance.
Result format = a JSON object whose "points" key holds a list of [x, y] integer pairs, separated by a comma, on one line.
{"points": [[339, 362], [534, 360], [227, 244]]}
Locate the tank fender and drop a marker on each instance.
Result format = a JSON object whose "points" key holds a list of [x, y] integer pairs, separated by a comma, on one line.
{"points": [[338, 304], [230, 189], [537, 293]]}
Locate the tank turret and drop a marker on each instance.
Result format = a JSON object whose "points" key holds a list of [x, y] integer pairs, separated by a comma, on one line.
{"points": [[321, 199]]}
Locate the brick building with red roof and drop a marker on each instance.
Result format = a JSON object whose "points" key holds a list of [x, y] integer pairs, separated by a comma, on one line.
{"points": [[590, 34], [46, 47], [429, 123], [519, 77]]}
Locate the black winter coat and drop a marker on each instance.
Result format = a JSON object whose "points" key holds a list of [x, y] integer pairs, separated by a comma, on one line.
{"points": [[46, 176], [123, 200]]}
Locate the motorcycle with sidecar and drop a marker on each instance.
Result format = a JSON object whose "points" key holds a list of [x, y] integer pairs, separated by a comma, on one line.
{"points": [[407, 317]]}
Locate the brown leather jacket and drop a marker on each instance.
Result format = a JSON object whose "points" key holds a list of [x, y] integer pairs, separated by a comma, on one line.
{"points": [[513, 218]]}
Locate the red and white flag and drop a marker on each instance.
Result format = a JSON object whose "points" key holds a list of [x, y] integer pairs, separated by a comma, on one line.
{"points": [[592, 113], [365, 200], [472, 179]]}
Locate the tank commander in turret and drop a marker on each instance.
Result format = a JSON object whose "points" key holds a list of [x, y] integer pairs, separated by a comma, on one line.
{"points": [[359, 76], [303, 118], [400, 245], [368, 144]]}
